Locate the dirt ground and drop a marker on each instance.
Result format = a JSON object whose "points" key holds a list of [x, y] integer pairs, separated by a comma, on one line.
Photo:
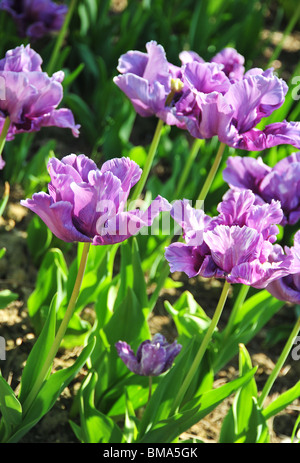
{"points": [[18, 274]]}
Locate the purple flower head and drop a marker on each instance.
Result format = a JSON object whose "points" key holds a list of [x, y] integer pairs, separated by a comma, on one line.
{"points": [[145, 78], [30, 97], [288, 287], [235, 245], [152, 357], [282, 182], [87, 204], [230, 61], [231, 109], [35, 18]]}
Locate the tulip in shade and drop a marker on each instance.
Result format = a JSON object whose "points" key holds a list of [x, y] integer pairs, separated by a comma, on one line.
{"points": [[87, 204], [31, 96], [152, 357], [281, 182], [35, 18], [235, 245]]}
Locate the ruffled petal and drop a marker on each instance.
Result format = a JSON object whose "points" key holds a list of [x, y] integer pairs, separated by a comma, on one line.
{"points": [[57, 217], [147, 99], [127, 355]]}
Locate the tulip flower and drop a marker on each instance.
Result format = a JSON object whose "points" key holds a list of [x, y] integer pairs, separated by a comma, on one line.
{"points": [[35, 18], [288, 287], [235, 245], [30, 97], [86, 204], [280, 182], [152, 357]]}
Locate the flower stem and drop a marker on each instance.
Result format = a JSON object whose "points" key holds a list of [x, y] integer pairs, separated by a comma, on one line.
{"points": [[150, 388], [60, 38], [212, 173], [4, 134], [283, 356], [188, 165], [153, 147], [61, 331], [238, 303], [197, 360]]}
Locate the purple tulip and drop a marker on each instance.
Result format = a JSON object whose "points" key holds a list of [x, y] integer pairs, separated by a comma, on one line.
{"points": [[145, 79], [288, 287], [208, 99], [235, 245], [152, 357], [232, 63], [87, 204], [35, 18], [30, 97], [282, 182], [233, 115]]}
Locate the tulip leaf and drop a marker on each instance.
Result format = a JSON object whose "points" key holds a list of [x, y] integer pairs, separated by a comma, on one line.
{"points": [[49, 393], [189, 317], [51, 279], [251, 317], [6, 297], [95, 426], [10, 407], [165, 431], [244, 423], [38, 353], [282, 401]]}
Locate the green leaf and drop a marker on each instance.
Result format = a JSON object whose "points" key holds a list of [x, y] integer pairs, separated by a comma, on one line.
{"points": [[70, 77], [130, 430], [139, 284], [295, 433], [10, 406], [282, 401], [95, 426], [244, 422], [38, 353], [251, 317], [4, 200], [166, 431], [39, 238], [189, 317], [6, 297], [49, 393], [51, 280]]}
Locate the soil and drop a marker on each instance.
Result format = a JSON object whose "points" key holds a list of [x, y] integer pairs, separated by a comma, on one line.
{"points": [[18, 274]]}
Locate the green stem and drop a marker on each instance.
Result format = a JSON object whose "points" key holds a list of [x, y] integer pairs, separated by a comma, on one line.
{"points": [[197, 360], [238, 303], [212, 173], [283, 356], [188, 165], [153, 147], [150, 388], [4, 134], [61, 331], [60, 38]]}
